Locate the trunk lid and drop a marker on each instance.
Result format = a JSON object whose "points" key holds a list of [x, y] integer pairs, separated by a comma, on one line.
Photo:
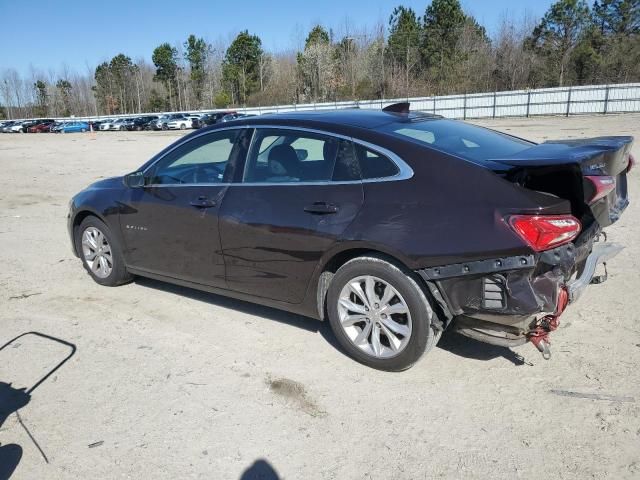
{"points": [[562, 168]]}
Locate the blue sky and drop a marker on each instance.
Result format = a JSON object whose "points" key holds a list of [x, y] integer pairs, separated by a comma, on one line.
{"points": [[80, 33]]}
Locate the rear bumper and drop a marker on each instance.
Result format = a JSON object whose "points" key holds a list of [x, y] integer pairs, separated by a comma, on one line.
{"points": [[508, 296], [601, 253]]}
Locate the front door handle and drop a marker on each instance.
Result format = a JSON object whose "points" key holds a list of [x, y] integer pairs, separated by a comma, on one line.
{"points": [[203, 202], [321, 208]]}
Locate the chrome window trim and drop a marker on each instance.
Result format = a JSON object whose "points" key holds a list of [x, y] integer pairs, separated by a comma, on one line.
{"points": [[405, 172]]}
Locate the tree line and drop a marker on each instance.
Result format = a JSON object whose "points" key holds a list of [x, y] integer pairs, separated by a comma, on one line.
{"points": [[443, 51]]}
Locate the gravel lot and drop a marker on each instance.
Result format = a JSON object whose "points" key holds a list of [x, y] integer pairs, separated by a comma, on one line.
{"points": [[168, 382]]}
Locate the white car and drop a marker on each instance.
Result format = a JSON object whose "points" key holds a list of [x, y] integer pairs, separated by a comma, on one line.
{"points": [[194, 117], [180, 123], [106, 125], [119, 124], [17, 128]]}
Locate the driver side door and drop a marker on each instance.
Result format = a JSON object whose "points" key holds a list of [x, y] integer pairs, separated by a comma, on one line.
{"points": [[170, 226]]}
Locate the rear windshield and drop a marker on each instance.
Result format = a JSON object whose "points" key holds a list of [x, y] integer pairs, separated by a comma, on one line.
{"points": [[458, 138]]}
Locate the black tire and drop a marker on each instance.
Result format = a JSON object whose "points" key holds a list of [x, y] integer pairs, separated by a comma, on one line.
{"points": [[119, 274], [423, 335], [182, 126]]}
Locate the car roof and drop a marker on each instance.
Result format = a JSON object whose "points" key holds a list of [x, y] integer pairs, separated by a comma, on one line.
{"points": [[354, 117]]}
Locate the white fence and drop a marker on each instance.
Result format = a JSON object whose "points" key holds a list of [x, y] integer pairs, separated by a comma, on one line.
{"points": [[593, 99]]}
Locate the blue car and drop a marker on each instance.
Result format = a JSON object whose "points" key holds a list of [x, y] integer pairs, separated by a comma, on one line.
{"points": [[71, 127]]}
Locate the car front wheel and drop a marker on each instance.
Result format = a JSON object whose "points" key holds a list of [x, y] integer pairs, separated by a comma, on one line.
{"points": [[101, 253], [379, 314]]}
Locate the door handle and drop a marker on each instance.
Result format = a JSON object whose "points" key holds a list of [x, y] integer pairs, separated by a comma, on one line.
{"points": [[203, 202], [321, 208]]}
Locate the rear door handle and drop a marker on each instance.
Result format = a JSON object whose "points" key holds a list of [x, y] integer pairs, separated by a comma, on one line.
{"points": [[203, 202], [321, 208]]}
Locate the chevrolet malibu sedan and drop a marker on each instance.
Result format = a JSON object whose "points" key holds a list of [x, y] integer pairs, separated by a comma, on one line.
{"points": [[392, 225]]}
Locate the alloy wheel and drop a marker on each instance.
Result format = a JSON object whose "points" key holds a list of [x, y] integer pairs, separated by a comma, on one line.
{"points": [[97, 252], [374, 316]]}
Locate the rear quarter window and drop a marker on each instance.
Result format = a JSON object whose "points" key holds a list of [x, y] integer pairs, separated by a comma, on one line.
{"points": [[374, 164]]}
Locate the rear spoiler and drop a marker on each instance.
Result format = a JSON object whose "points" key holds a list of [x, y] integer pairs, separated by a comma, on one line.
{"points": [[600, 155]]}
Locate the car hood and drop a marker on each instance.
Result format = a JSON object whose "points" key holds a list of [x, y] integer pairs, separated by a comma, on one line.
{"points": [[106, 183]]}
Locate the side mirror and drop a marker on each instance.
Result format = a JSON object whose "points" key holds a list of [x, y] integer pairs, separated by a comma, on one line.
{"points": [[134, 180]]}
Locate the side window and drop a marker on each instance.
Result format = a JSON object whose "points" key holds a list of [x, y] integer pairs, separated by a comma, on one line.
{"points": [[374, 164], [293, 156], [204, 159]]}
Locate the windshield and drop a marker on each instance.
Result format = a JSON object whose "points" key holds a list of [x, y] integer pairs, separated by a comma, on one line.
{"points": [[461, 139]]}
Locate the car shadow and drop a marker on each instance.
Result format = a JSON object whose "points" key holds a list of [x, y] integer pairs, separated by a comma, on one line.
{"points": [[269, 313], [451, 341], [466, 347]]}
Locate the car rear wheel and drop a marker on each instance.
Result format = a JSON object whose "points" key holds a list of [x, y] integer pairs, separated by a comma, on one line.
{"points": [[182, 126], [379, 314], [101, 253]]}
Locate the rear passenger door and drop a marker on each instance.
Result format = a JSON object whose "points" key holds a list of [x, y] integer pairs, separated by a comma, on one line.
{"points": [[298, 193]]}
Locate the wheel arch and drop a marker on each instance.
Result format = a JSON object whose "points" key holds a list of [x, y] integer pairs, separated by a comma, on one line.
{"points": [[78, 218], [336, 258]]}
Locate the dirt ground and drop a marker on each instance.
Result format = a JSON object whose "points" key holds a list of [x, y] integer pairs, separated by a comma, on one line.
{"points": [[168, 382]]}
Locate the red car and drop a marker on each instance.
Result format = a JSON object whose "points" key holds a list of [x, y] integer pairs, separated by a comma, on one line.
{"points": [[41, 127]]}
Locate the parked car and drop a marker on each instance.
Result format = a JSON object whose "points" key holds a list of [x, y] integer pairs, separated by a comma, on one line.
{"points": [[195, 119], [161, 123], [211, 118], [151, 125], [233, 116], [106, 124], [27, 124], [119, 124], [75, 126], [95, 125], [6, 126], [139, 123], [41, 127], [179, 122], [20, 127], [56, 127], [392, 225]]}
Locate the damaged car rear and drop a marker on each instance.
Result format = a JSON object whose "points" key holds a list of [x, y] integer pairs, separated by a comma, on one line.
{"points": [[393, 225], [559, 197]]}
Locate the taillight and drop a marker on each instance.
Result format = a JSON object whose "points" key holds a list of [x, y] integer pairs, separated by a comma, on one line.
{"points": [[631, 164], [542, 232], [603, 185]]}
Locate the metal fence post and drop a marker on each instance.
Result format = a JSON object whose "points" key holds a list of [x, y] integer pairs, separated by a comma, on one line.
{"points": [[528, 102], [434, 105], [464, 107], [606, 100], [493, 114], [568, 103]]}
